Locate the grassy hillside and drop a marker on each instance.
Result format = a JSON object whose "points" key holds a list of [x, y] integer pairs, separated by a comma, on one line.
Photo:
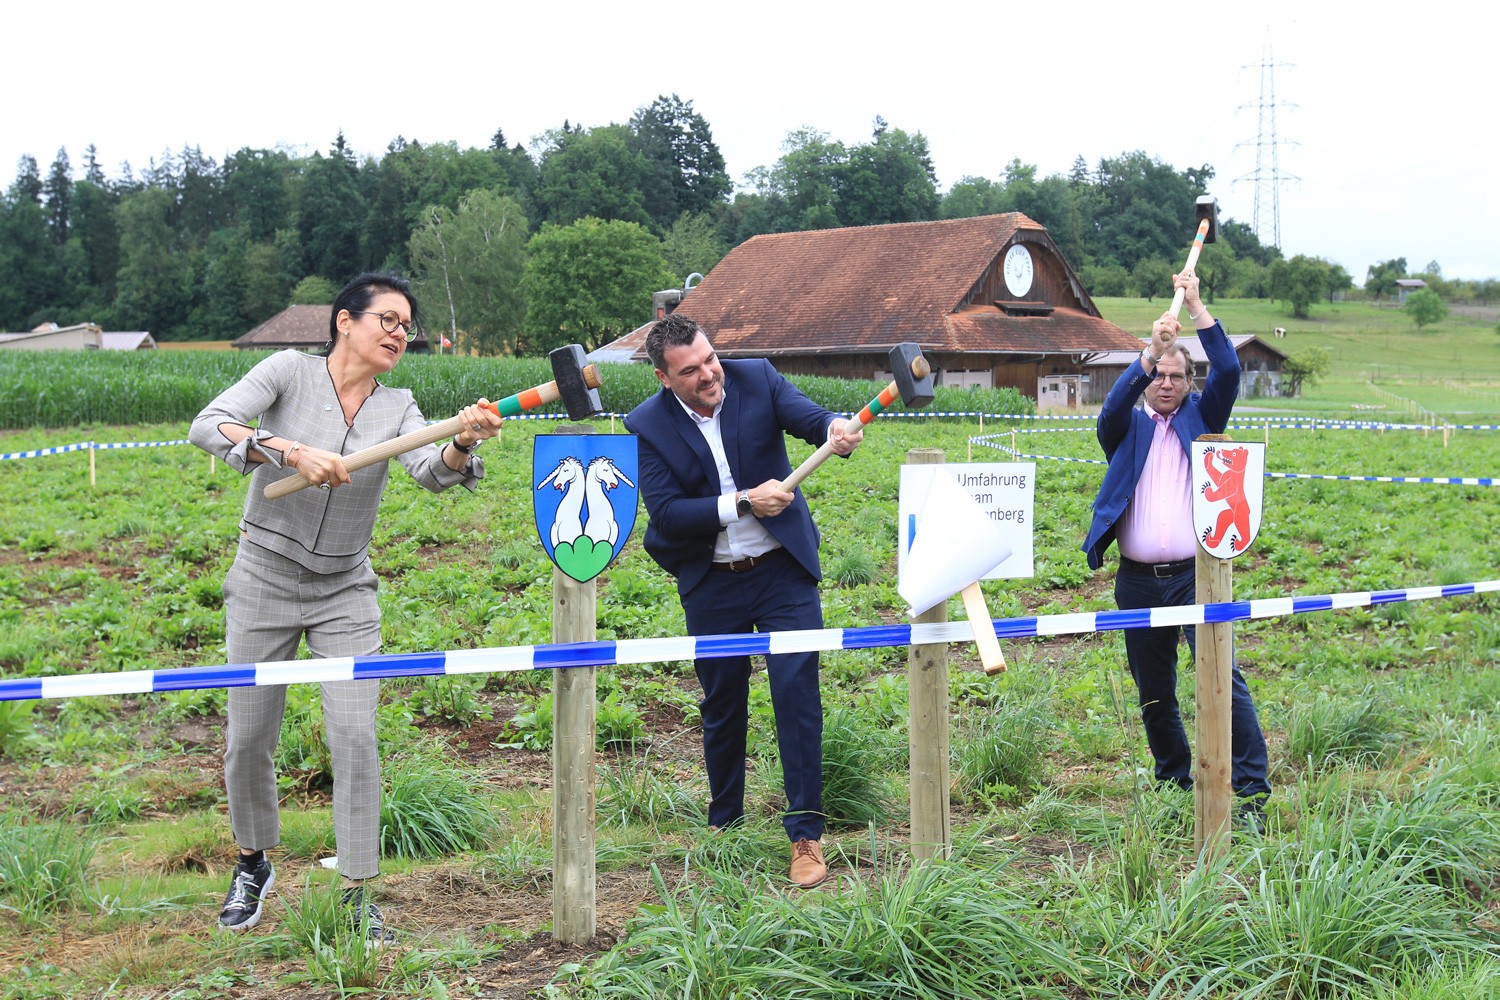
{"points": [[1451, 369]]}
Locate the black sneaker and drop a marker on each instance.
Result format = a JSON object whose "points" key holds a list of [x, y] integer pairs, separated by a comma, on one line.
{"points": [[365, 917], [247, 894], [1252, 815]]}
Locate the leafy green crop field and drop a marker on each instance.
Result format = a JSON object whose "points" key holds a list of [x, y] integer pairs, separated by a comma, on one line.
{"points": [[1071, 876]]}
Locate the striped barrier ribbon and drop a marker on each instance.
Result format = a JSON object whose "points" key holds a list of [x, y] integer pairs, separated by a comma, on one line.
{"points": [[1438, 480], [1279, 423], [658, 650], [37, 453]]}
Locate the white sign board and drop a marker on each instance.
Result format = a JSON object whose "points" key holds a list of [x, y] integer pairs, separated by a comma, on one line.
{"points": [[1005, 491]]}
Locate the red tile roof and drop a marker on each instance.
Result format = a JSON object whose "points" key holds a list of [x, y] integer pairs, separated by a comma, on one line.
{"points": [[301, 327], [870, 287]]}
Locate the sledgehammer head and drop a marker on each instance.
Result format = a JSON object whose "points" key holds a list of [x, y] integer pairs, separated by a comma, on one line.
{"points": [[1208, 209], [912, 373], [580, 398]]}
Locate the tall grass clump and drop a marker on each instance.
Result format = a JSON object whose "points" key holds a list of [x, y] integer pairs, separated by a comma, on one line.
{"points": [[1320, 922], [1001, 755], [859, 759], [431, 809], [1331, 729], [934, 930], [631, 791], [338, 955], [43, 867]]}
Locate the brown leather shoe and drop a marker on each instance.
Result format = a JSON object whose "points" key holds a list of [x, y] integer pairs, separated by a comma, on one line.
{"points": [[808, 867]]}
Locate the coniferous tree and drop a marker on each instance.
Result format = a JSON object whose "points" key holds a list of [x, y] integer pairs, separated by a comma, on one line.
{"points": [[58, 190]]}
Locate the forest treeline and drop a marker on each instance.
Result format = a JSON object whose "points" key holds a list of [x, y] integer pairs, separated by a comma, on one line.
{"points": [[519, 248]]}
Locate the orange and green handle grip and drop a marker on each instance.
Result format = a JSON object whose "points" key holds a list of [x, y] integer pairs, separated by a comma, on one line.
{"points": [[510, 406], [1192, 259], [889, 396]]}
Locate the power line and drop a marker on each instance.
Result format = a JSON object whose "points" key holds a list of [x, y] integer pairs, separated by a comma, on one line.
{"points": [[1267, 177]]}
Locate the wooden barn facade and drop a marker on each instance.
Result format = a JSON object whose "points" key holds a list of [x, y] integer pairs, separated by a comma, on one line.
{"points": [[990, 300]]}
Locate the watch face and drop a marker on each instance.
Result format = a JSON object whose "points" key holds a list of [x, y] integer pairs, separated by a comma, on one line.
{"points": [[1018, 270]]}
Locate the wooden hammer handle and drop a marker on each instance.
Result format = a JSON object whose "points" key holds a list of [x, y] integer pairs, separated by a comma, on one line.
{"points": [[510, 406], [1192, 259], [887, 396], [383, 452]]}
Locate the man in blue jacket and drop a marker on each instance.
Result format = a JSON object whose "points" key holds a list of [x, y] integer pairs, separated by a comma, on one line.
{"points": [[1146, 504], [745, 555]]}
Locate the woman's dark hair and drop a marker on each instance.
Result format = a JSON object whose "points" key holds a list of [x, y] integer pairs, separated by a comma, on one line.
{"points": [[359, 293]]}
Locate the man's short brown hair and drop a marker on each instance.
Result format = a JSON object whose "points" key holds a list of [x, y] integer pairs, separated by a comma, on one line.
{"points": [[675, 330]]}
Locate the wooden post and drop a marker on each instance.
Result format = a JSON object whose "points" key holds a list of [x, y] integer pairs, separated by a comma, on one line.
{"points": [[574, 608], [927, 687], [93, 476], [1214, 656]]}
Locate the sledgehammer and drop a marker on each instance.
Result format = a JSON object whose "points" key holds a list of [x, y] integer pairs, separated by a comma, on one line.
{"points": [[912, 385], [1208, 231], [575, 383]]}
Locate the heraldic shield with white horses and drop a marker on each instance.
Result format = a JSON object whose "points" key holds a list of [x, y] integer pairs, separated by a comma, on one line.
{"points": [[585, 498], [1229, 480]]}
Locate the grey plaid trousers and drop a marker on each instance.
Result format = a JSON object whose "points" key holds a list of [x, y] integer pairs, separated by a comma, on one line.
{"points": [[270, 604]]}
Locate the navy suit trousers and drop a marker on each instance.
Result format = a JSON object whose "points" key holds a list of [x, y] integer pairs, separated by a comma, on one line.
{"points": [[1152, 655], [777, 595]]}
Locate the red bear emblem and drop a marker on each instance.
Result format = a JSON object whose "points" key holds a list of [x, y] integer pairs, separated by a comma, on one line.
{"points": [[1228, 486]]}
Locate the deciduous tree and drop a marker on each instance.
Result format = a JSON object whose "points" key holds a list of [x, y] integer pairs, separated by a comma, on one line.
{"points": [[1425, 307], [1306, 366], [1382, 276], [590, 282], [469, 266]]}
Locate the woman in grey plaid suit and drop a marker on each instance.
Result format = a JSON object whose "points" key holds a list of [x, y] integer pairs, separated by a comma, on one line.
{"points": [[303, 566]]}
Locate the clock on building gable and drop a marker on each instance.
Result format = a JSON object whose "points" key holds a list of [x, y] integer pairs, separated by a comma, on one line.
{"points": [[1018, 270]]}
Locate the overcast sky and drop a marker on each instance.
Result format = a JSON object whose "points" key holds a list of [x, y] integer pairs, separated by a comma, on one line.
{"points": [[1380, 112]]}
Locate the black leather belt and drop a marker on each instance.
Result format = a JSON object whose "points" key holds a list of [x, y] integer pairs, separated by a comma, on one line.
{"points": [[1158, 570], [741, 565]]}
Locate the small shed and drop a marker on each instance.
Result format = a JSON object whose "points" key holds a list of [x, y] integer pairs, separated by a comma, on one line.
{"points": [[51, 337], [1405, 286], [132, 340]]}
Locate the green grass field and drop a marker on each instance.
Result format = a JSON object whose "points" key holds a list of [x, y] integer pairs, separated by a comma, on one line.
{"points": [[1071, 876]]}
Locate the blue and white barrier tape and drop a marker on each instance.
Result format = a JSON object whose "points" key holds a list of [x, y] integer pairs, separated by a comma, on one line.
{"points": [[626, 651], [37, 453], [137, 444], [1438, 480], [1441, 480]]}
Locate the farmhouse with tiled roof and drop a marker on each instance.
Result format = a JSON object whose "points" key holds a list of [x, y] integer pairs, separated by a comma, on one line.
{"points": [[303, 328], [990, 300]]}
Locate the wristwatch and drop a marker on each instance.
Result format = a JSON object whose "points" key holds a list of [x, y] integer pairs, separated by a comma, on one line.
{"points": [[467, 451], [742, 505]]}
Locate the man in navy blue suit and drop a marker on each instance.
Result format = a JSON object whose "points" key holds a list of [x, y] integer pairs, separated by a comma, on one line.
{"points": [[745, 555], [1146, 504]]}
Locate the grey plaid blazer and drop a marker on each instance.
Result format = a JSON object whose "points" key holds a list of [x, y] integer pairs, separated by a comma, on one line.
{"points": [[291, 396]]}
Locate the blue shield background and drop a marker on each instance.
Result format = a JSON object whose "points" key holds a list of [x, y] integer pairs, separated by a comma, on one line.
{"points": [[585, 498]]}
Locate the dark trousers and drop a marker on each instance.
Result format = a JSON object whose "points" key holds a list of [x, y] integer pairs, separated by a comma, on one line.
{"points": [[1152, 655], [775, 596]]}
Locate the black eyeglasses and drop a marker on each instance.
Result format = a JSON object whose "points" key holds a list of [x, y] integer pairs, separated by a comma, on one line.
{"points": [[1176, 378], [390, 322]]}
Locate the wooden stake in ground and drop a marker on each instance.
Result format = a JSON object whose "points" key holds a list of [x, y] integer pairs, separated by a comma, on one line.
{"points": [[1214, 659], [927, 687], [574, 887]]}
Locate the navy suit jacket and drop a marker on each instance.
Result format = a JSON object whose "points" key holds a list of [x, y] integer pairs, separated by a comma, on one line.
{"points": [[1125, 431], [680, 482]]}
